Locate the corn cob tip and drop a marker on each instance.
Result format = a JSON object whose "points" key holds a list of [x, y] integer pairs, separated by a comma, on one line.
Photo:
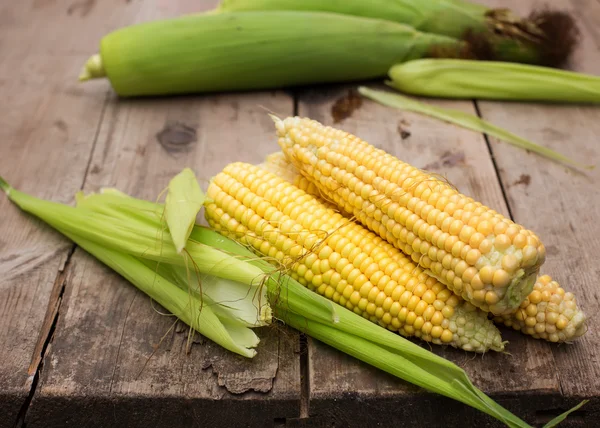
{"points": [[92, 69], [578, 324], [473, 332], [549, 313], [279, 124], [266, 314], [518, 290]]}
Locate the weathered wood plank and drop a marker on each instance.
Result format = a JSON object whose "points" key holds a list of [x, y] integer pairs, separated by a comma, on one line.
{"points": [[47, 130], [561, 205], [113, 357], [107, 330], [336, 381]]}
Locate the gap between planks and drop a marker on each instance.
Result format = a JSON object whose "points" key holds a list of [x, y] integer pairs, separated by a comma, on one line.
{"points": [[54, 304], [493, 159], [45, 336]]}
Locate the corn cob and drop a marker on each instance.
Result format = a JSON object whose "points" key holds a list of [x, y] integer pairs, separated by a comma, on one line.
{"points": [[548, 312], [342, 260], [475, 251], [254, 50], [547, 37]]}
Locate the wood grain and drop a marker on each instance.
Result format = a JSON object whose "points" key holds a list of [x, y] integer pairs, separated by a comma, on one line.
{"points": [[117, 359], [560, 204], [337, 381], [113, 350], [47, 130]]}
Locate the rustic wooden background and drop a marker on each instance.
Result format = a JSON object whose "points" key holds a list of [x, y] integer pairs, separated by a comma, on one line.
{"points": [[81, 347]]}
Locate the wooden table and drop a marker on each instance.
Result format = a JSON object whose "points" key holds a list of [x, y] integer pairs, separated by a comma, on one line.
{"points": [[81, 347]]}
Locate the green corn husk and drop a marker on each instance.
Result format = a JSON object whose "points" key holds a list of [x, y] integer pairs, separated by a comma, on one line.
{"points": [[294, 304], [183, 203], [254, 50], [208, 318], [467, 121], [221, 316], [490, 80], [546, 37], [445, 17]]}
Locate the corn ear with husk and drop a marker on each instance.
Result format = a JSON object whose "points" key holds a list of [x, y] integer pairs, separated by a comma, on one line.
{"points": [[545, 37], [491, 80], [254, 50]]}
